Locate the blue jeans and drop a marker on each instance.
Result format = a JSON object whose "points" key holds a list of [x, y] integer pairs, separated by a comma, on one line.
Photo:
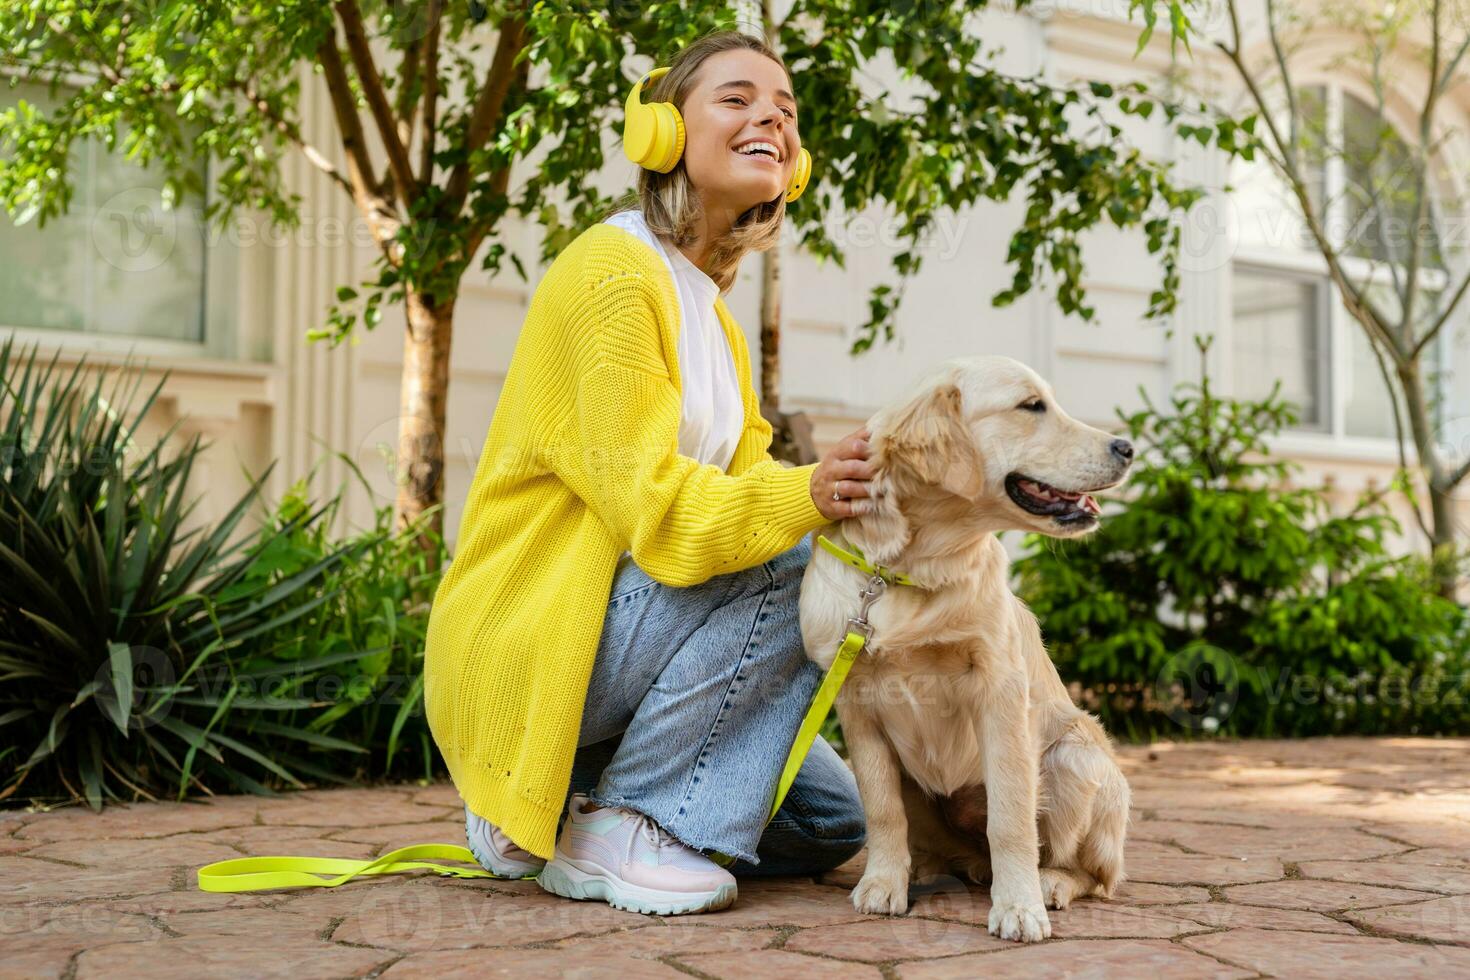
{"points": [[695, 696]]}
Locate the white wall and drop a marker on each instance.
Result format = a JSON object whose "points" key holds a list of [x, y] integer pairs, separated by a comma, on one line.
{"points": [[300, 401]]}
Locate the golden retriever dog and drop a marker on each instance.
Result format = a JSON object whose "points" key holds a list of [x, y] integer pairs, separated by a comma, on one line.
{"points": [[969, 755]]}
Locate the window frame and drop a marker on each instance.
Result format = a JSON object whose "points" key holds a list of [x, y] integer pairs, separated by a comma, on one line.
{"points": [[220, 278], [1361, 270]]}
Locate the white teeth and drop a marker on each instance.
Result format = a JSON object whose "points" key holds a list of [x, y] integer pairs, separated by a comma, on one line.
{"points": [[757, 146]]}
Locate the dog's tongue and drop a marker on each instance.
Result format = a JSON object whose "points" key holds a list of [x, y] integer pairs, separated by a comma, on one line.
{"points": [[1090, 505]]}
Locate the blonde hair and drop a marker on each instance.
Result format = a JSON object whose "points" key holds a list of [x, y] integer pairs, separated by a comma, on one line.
{"points": [[670, 205]]}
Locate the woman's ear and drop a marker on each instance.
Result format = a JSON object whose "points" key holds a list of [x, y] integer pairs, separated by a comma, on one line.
{"points": [[930, 438]]}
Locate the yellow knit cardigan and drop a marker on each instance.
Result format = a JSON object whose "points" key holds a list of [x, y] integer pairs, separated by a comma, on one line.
{"points": [[581, 462]]}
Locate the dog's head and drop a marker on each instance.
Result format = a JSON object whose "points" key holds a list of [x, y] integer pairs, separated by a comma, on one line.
{"points": [[985, 439]]}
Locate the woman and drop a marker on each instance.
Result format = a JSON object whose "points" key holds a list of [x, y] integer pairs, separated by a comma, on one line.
{"points": [[620, 619]]}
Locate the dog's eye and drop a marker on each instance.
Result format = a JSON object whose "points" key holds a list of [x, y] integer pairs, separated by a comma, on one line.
{"points": [[1035, 405]]}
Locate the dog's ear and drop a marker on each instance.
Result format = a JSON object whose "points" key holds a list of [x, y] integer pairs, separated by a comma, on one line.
{"points": [[929, 436]]}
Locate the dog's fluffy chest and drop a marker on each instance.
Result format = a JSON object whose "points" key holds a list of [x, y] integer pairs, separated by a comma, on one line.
{"points": [[926, 708]]}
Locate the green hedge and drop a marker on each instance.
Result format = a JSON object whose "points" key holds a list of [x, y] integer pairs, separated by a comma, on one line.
{"points": [[1220, 596]]}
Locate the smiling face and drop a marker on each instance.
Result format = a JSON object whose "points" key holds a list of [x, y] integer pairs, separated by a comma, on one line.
{"points": [[740, 131]]}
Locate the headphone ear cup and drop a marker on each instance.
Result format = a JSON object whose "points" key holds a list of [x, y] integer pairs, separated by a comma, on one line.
{"points": [[653, 133], [668, 144], [800, 177]]}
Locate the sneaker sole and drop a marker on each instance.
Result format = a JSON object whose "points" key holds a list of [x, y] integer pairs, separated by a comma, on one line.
{"points": [[561, 877], [517, 871]]}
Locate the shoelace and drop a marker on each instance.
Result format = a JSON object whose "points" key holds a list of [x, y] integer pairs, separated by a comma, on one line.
{"points": [[649, 831]]}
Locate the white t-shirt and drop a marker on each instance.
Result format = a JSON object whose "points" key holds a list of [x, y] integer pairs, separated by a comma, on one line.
{"points": [[712, 415]]}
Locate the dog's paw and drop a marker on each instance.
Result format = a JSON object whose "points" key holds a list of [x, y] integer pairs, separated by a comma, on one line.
{"points": [[1058, 888], [1022, 922], [879, 894]]}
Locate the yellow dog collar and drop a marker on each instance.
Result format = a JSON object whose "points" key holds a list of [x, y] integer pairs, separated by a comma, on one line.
{"points": [[856, 559]]}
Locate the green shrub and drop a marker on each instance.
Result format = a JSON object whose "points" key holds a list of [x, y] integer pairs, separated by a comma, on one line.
{"points": [[1220, 597], [139, 657], [354, 664]]}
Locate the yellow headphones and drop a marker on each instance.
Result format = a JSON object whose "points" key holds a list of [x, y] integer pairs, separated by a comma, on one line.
{"points": [[653, 137]]}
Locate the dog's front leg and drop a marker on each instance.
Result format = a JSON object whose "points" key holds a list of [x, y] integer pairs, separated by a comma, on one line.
{"points": [[1016, 907], [884, 886]]}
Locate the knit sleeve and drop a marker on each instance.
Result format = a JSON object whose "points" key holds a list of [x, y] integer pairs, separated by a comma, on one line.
{"points": [[617, 450]]}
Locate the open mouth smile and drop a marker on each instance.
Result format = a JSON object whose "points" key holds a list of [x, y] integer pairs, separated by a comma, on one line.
{"points": [[763, 150], [1063, 506]]}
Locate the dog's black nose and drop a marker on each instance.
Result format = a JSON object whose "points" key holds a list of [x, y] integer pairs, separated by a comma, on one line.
{"points": [[1123, 449]]}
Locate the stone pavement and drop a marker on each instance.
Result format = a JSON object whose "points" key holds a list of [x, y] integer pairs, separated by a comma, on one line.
{"points": [[1325, 857]]}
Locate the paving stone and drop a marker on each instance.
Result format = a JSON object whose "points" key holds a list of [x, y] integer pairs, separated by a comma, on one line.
{"points": [[582, 965], [278, 925], [417, 916], [1226, 915], [236, 956], [1094, 920], [1444, 920], [1441, 857], [778, 963], [26, 880], [1393, 873], [191, 900], [350, 808], [788, 902], [1184, 869], [1379, 828], [390, 837], [1247, 842], [1145, 893], [884, 938], [1314, 954], [1091, 958], [138, 820], [187, 850], [440, 794], [1321, 896], [288, 840], [662, 937]]}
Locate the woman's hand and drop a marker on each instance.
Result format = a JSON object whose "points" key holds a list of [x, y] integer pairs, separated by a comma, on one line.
{"points": [[846, 471]]}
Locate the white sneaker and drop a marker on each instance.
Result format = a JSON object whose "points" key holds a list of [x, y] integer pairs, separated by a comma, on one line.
{"points": [[496, 852], [626, 859]]}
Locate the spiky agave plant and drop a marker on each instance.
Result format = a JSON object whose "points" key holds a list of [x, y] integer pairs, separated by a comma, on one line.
{"points": [[125, 627]]}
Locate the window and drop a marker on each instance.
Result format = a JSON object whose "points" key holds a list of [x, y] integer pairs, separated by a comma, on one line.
{"points": [[1280, 329], [1288, 321], [117, 262]]}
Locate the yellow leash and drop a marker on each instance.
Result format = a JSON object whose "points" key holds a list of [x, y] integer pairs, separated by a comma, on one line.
{"points": [[251, 874]]}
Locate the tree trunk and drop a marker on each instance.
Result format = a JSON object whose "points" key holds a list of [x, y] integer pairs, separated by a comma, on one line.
{"points": [[422, 409], [791, 434], [1436, 478]]}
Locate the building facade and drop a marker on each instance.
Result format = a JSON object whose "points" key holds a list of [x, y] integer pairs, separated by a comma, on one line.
{"points": [[223, 315]]}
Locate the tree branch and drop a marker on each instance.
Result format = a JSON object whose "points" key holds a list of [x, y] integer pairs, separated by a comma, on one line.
{"points": [[1442, 319], [380, 218], [292, 133], [489, 106], [377, 99], [1352, 297], [431, 93]]}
